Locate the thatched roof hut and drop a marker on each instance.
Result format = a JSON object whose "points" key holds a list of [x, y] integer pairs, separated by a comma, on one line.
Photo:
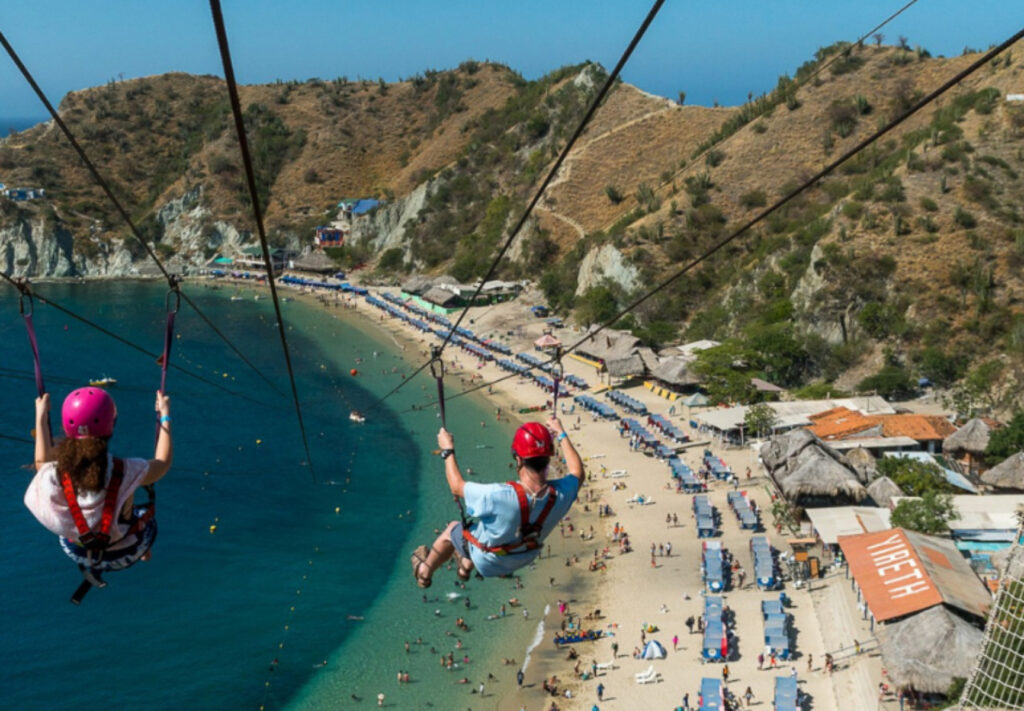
{"points": [[972, 438], [1008, 474], [675, 371], [863, 464], [625, 367], [317, 262], [806, 469], [817, 475], [784, 448], [882, 490], [928, 649]]}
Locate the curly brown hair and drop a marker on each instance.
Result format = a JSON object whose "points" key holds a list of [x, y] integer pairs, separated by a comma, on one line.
{"points": [[85, 461]]}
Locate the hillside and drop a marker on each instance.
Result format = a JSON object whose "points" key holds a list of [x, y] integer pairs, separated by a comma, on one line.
{"points": [[905, 263]]}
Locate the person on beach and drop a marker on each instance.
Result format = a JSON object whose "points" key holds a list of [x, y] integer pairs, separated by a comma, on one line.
{"points": [[513, 519], [84, 494]]}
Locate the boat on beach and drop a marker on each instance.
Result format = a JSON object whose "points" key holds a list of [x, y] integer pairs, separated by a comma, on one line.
{"points": [[357, 416], [103, 382]]}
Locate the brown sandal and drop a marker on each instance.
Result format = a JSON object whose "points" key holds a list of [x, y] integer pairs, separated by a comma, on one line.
{"points": [[419, 557]]}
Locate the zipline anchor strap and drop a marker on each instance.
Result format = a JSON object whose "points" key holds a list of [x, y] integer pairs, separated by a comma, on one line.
{"points": [[437, 370], [25, 297]]}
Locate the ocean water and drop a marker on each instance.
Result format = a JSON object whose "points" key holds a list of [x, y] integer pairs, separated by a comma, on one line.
{"points": [[17, 123], [296, 572]]}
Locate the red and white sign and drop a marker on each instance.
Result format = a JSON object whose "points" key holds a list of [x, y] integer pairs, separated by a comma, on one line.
{"points": [[890, 574]]}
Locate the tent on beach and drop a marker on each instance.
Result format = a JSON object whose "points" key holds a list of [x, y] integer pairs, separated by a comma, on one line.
{"points": [[653, 650], [697, 400], [547, 341]]}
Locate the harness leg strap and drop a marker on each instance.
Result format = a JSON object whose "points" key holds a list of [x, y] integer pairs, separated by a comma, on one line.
{"points": [[90, 580]]}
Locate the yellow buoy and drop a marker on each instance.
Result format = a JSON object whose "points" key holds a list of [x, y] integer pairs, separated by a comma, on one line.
{"points": [[213, 529], [337, 509]]}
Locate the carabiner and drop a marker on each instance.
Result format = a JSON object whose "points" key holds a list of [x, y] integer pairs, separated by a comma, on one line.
{"points": [[436, 363], [25, 294], [174, 291]]}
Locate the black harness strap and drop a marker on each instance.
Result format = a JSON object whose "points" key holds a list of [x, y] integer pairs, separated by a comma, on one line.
{"points": [[91, 577], [437, 370]]}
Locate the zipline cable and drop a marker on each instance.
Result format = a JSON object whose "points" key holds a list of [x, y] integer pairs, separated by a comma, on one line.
{"points": [[797, 84], [608, 84], [250, 177], [936, 93], [121, 339], [172, 279]]}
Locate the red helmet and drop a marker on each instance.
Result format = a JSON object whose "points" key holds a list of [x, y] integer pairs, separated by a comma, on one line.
{"points": [[533, 440]]}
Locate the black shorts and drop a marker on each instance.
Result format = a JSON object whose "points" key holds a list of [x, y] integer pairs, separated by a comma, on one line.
{"points": [[459, 541]]}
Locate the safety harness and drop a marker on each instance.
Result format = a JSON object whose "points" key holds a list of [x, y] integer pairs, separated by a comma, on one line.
{"points": [[96, 541], [528, 538]]}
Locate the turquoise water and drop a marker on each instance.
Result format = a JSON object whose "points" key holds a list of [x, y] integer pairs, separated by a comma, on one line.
{"points": [[290, 561]]}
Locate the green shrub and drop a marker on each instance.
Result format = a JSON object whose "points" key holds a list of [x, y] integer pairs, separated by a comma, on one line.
{"points": [[613, 194], [759, 127], [714, 158], [928, 204], [890, 382], [755, 198], [853, 210], [964, 219]]}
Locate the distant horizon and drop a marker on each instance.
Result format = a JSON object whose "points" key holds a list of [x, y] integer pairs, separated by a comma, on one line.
{"points": [[711, 51]]}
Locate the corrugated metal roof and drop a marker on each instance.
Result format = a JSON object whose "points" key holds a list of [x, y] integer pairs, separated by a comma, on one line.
{"points": [[838, 521], [901, 572]]}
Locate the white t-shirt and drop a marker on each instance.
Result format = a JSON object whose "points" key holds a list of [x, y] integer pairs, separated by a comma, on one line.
{"points": [[45, 499]]}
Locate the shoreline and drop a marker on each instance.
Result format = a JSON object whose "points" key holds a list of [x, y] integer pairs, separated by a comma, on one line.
{"points": [[581, 591]]}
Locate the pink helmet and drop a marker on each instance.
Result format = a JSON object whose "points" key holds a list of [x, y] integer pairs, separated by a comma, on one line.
{"points": [[88, 412]]}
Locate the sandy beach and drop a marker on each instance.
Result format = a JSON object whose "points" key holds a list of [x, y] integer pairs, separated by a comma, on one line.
{"points": [[634, 591]]}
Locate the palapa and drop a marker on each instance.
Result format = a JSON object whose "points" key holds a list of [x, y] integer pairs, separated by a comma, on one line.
{"points": [[882, 490], [816, 474], [315, 261], [625, 367], [928, 649], [1008, 474], [781, 449], [863, 463], [972, 437], [675, 371]]}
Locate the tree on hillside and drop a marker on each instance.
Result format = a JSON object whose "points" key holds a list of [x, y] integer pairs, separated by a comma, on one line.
{"points": [[760, 419], [725, 372], [930, 514], [682, 98], [596, 305], [878, 37], [914, 477], [1007, 440]]}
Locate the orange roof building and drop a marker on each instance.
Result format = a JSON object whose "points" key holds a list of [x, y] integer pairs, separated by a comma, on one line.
{"points": [[841, 423], [901, 572]]}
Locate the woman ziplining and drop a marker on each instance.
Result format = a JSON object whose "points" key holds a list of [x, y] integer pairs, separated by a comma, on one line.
{"points": [[85, 495], [513, 518], [82, 493]]}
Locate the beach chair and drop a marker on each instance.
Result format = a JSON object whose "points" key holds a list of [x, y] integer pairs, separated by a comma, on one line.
{"points": [[711, 697], [606, 666], [648, 672], [786, 694]]}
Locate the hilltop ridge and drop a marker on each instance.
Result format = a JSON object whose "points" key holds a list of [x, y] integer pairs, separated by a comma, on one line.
{"points": [[906, 260]]}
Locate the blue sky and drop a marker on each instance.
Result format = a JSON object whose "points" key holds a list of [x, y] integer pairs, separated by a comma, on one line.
{"points": [[712, 49]]}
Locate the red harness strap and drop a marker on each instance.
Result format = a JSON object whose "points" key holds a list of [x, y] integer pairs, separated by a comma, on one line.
{"points": [[87, 538], [529, 533]]}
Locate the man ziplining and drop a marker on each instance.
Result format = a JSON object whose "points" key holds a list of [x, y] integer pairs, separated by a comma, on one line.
{"points": [[513, 518]]}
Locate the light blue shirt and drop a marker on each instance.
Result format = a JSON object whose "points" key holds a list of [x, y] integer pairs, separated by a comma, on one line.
{"points": [[496, 508]]}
